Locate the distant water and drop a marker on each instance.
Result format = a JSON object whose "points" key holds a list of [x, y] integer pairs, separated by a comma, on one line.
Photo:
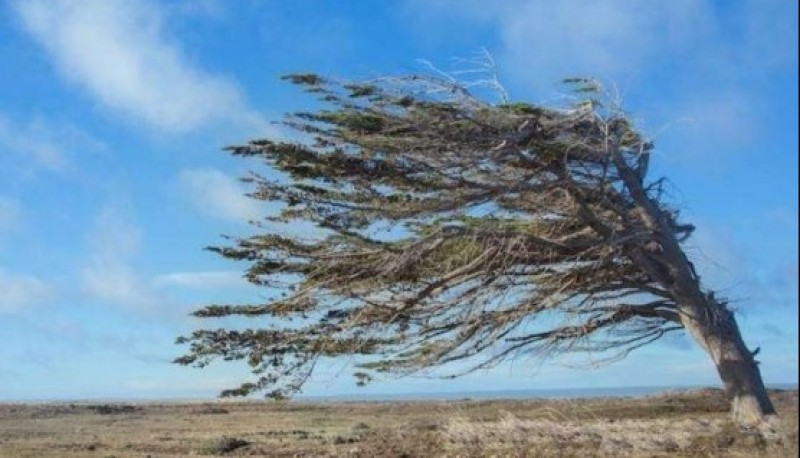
{"points": [[562, 393], [557, 393]]}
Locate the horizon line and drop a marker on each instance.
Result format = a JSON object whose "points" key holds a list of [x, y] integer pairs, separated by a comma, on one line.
{"points": [[603, 391]]}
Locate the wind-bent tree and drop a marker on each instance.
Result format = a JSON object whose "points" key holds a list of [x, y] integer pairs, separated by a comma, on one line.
{"points": [[515, 229]]}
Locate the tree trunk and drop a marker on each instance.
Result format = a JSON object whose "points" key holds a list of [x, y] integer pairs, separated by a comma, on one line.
{"points": [[714, 327], [709, 321]]}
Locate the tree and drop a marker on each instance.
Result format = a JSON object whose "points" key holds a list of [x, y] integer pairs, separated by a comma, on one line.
{"points": [[513, 229]]}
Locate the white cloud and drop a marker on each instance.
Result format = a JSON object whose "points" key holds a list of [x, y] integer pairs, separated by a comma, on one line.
{"points": [[616, 39], [712, 66], [218, 195], [121, 54], [726, 116], [33, 145], [107, 274], [215, 279], [110, 273], [20, 291], [114, 281], [543, 41]]}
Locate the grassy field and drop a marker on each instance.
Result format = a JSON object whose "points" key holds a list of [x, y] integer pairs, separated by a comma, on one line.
{"points": [[677, 424]]}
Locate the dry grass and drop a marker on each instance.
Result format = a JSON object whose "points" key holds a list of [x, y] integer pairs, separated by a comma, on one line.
{"points": [[679, 424]]}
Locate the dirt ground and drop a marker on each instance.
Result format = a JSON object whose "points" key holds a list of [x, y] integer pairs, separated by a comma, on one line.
{"points": [[676, 424]]}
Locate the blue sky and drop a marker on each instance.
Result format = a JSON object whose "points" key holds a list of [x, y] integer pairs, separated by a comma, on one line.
{"points": [[113, 113]]}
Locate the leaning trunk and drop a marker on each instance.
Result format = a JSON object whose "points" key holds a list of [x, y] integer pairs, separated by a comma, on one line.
{"points": [[714, 328], [709, 321]]}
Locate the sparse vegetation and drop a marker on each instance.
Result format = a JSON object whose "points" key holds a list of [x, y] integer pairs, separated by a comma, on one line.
{"points": [[113, 409], [675, 424], [223, 446], [211, 410]]}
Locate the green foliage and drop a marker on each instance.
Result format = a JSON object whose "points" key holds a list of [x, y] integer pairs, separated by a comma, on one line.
{"points": [[521, 108], [444, 225], [307, 79], [361, 90]]}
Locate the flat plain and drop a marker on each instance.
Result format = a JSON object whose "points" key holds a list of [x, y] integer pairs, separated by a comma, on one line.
{"points": [[691, 423]]}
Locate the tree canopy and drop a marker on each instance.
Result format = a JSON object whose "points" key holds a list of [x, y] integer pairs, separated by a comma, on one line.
{"points": [[452, 228]]}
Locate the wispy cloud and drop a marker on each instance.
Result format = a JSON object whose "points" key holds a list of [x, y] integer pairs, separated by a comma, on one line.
{"points": [[20, 291], [30, 146], [543, 41], [63, 341], [710, 61], [215, 194], [120, 52], [726, 117], [108, 274]]}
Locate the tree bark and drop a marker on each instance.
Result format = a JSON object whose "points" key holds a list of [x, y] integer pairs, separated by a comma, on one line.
{"points": [[714, 327], [709, 321]]}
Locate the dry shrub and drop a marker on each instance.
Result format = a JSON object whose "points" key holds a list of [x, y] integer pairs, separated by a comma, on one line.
{"points": [[596, 437], [210, 410], [113, 409], [408, 441], [730, 441], [223, 445]]}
